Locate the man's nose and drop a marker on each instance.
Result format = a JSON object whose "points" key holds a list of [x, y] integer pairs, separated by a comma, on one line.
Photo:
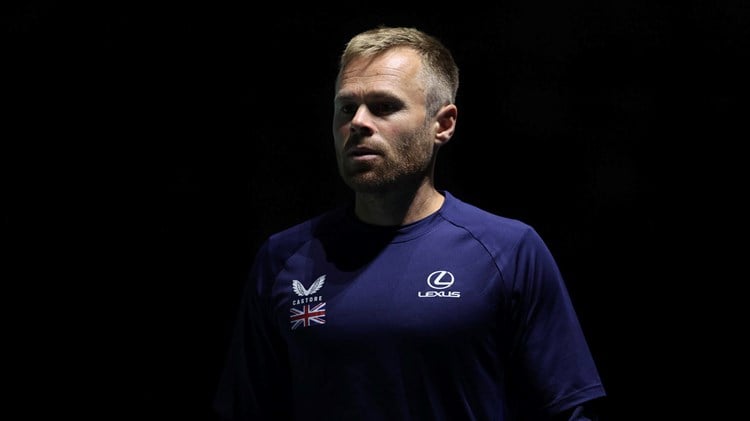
{"points": [[362, 121]]}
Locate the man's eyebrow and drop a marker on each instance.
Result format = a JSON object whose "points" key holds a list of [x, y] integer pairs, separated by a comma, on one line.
{"points": [[375, 95], [344, 97]]}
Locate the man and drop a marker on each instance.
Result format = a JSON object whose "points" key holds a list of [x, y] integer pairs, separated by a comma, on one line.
{"points": [[408, 304]]}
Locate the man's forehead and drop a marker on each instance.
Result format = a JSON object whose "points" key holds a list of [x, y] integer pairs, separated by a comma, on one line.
{"points": [[384, 75]]}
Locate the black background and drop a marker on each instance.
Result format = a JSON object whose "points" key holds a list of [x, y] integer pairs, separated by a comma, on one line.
{"points": [[151, 147]]}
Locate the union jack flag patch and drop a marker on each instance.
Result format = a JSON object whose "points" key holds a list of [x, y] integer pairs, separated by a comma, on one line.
{"points": [[308, 315]]}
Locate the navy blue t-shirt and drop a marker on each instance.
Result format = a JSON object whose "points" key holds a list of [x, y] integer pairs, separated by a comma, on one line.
{"points": [[463, 315]]}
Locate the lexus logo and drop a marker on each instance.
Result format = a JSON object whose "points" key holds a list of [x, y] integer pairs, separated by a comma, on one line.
{"points": [[440, 279]]}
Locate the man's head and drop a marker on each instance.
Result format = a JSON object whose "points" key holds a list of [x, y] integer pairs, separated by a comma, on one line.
{"points": [[439, 70], [394, 107]]}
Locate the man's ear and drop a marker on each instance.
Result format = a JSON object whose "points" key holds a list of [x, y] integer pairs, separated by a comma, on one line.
{"points": [[446, 123]]}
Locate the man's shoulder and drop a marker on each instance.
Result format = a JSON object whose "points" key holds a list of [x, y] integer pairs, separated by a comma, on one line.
{"points": [[310, 228], [482, 221]]}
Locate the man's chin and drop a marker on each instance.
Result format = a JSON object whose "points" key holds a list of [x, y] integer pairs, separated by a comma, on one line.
{"points": [[366, 183]]}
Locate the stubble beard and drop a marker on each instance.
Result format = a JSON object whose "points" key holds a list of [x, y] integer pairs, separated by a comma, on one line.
{"points": [[409, 166]]}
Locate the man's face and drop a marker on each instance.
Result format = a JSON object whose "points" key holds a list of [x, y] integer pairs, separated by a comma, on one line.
{"points": [[381, 134]]}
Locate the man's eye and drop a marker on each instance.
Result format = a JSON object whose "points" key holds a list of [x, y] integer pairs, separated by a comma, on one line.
{"points": [[348, 109], [384, 108]]}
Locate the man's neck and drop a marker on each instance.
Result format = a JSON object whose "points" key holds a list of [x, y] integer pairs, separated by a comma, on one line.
{"points": [[395, 208]]}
